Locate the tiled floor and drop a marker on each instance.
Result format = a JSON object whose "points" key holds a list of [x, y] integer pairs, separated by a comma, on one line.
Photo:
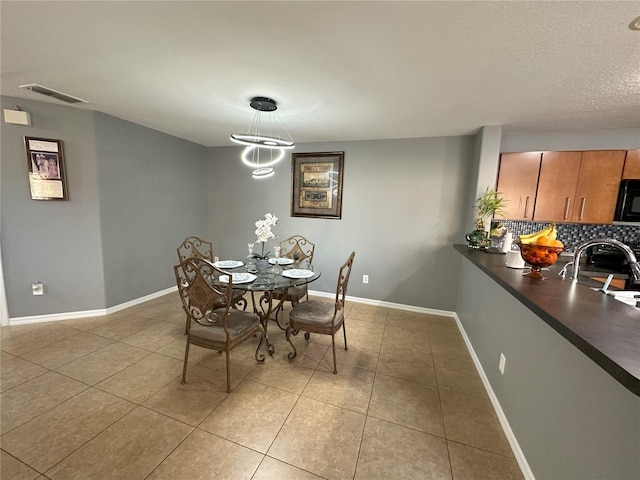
{"points": [[101, 398]]}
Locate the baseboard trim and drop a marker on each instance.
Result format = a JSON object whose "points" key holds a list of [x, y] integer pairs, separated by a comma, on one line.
{"points": [[396, 306], [502, 418], [54, 317]]}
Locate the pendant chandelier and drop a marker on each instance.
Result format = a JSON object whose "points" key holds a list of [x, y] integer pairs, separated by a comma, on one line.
{"points": [[265, 145]]}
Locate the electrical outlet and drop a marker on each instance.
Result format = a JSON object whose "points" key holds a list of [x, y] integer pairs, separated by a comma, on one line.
{"points": [[365, 278], [37, 288], [501, 363]]}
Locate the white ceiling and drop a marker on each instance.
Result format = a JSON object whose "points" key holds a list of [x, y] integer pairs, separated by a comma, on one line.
{"points": [[338, 70]]}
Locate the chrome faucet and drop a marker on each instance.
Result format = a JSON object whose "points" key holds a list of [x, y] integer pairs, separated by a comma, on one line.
{"points": [[633, 261]]}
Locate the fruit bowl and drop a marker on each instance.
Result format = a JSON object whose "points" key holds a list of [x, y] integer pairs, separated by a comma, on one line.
{"points": [[538, 257]]}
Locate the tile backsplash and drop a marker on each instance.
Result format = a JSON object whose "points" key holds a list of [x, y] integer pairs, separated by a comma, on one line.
{"points": [[574, 234]]}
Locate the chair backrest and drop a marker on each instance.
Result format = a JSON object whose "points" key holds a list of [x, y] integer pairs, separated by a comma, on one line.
{"points": [[199, 294], [195, 247], [343, 281], [297, 248]]}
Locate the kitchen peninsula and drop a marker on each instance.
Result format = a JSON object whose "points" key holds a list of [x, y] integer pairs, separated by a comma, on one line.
{"points": [[571, 384]]}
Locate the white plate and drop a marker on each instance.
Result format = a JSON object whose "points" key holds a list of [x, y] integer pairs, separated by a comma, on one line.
{"points": [[281, 261], [297, 273], [239, 277], [228, 264]]}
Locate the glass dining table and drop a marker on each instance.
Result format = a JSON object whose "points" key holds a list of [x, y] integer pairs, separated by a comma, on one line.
{"points": [[263, 283]]}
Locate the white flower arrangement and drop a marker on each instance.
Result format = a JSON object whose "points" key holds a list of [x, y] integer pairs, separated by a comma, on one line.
{"points": [[264, 233]]}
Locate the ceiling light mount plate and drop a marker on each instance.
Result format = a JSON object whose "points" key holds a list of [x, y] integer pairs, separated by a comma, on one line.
{"points": [[263, 104], [254, 136]]}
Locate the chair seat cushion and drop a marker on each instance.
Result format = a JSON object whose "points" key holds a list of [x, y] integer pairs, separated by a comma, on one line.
{"points": [[293, 293], [239, 323], [315, 316]]}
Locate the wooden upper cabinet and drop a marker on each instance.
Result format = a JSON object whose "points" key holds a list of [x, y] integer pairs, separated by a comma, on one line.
{"points": [[557, 184], [597, 190], [518, 182], [632, 165]]}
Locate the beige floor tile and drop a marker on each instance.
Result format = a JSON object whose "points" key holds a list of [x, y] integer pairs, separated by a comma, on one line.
{"points": [[470, 463], [129, 449], [192, 401], [67, 350], [308, 354], [391, 451], [272, 469], [360, 355], [24, 402], [13, 469], [458, 375], [350, 388], [413, 321], [203, 456], [241, 365], [50, 437], [406, 403], [368, 311], [320, 438], [15, 370], [290, 378], [449, 345], [252, 415], [443, 325], [85, 324], [156, 336], [360, 332], [121, 328], [19, 342], [144, 378], [101, 364], [397, 337], [471, 420], [175, 349], [407, 364]]}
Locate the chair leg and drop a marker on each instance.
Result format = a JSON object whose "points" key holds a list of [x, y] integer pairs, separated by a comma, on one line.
{"points": [[333, 347], [228, 373], [287, 333], [344, 331], [186, 359]]}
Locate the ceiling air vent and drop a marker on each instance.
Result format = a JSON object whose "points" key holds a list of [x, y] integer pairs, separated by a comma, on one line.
{"points": [[49, 92]]}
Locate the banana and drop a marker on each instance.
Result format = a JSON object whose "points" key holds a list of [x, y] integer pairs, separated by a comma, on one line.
{"points": [[549, 231]]}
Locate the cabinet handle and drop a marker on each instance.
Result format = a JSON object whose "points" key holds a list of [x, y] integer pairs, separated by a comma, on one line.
{"points": [[526, 207], [584, 202], [566, 208]]}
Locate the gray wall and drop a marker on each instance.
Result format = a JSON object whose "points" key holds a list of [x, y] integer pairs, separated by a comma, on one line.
{"points": [[152, 195], [571, 418], [620, 139], [55, 242], [404, 204]]}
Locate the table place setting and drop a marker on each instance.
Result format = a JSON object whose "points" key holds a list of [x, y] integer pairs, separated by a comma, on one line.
{"points": [[224, 264], [239, 277], [297, 273]]}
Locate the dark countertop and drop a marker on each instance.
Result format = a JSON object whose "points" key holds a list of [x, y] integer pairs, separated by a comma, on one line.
{"points": [[604, 329]]}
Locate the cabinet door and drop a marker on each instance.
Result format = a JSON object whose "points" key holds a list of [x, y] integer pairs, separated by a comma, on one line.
{"points": [[632, 165], [597, 191], [559, 173], [518, 182]]}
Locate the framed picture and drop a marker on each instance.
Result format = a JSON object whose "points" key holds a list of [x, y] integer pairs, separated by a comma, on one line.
{"points": [[46, 169], [316, 180]]}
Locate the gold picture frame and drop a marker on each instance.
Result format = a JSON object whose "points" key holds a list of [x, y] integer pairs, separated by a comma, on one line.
{"points": [[316, 180], [45, 158]]}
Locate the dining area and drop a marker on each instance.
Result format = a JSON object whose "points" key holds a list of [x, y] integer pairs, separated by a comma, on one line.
{"points": [[229, 301]]}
